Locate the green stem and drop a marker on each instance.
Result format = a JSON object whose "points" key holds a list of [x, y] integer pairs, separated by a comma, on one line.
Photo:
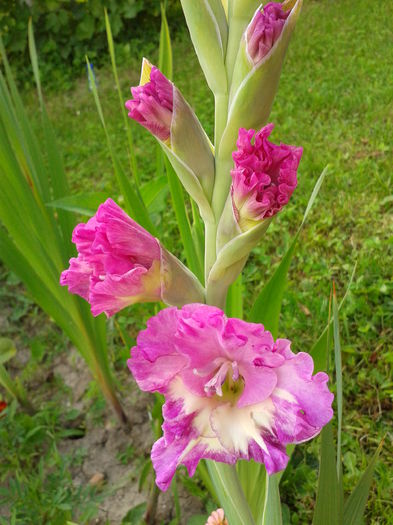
{"points": [[236, 28], [220, 117], [230, 493], [210, 248]]}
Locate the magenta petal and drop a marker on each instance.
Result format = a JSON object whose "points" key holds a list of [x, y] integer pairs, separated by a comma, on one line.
{"points": [[152, 105], [264, 177], [118, 262], [259, 384], [264, 30], [77, 277]]}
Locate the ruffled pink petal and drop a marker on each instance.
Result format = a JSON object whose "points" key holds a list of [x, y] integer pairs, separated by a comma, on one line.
{"points": [[152, 105], [115, 292], [77, 277], [259, 383], [264, 177]]}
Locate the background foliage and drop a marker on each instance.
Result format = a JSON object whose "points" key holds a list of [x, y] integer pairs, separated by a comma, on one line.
{"points": [[334, 99], [66, 30]]}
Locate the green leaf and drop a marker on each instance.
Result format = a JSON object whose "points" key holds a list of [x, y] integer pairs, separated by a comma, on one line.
{"points": [[356, 503], [267, 306], [327, 507], [7, 350], [135, 206], [83, 203], [339, 394], [154, 193], [272, 507], [126, 120], [320, 348], [183, 222], [165, 60], [135, 515]]}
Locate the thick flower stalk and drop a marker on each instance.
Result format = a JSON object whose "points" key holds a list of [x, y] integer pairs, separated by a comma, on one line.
{"points": [[160, 107], [231, 391], [119, 264]]}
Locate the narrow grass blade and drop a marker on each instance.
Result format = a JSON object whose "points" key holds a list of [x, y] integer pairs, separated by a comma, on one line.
{"points": [[230, 493], [339, 393], [327, 507], [165, 60], [56, 172], [134, 204], [356, 503], [83, 203], [127, 121], [267, 306], [183, 222], [320, 348], [7, 350]]}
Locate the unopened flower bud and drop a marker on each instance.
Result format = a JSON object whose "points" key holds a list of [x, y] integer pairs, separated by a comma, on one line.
{"points": [[160, 107], [264, 177], [264, 30], [217, 517]]}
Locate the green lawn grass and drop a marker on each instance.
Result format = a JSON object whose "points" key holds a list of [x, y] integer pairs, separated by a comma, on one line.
{"points": [[335, 100]]}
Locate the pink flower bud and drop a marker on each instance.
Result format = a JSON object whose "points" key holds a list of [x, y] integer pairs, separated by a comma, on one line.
{"points": [[264, 177], [119, 264], [264, 30], [152, 105], [217, 517]]}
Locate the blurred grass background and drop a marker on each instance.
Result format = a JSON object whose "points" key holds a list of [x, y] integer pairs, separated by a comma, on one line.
{"points": [[336, 100]]}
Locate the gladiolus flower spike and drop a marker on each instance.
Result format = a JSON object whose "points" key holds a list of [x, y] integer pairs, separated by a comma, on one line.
{"points": [[231, 391], [264, 177], [119, 263]]}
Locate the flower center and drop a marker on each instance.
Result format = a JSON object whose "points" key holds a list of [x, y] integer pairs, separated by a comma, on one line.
{"points": [[226, 383]]}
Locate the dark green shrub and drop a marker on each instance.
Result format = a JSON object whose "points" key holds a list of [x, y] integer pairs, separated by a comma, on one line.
{"points": [[66, 30]]}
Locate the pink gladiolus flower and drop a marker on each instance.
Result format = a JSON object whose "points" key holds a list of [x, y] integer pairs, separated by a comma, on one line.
{"points": [[264, 30], [231, 391], [217, 517], [264, 177], [118, 262], [152, 105]]}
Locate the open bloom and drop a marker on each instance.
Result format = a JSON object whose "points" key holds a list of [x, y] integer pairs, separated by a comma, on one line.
{"points": [[264, 30], [119, 263], [152, 105], [264, 177], [231, 391]]}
